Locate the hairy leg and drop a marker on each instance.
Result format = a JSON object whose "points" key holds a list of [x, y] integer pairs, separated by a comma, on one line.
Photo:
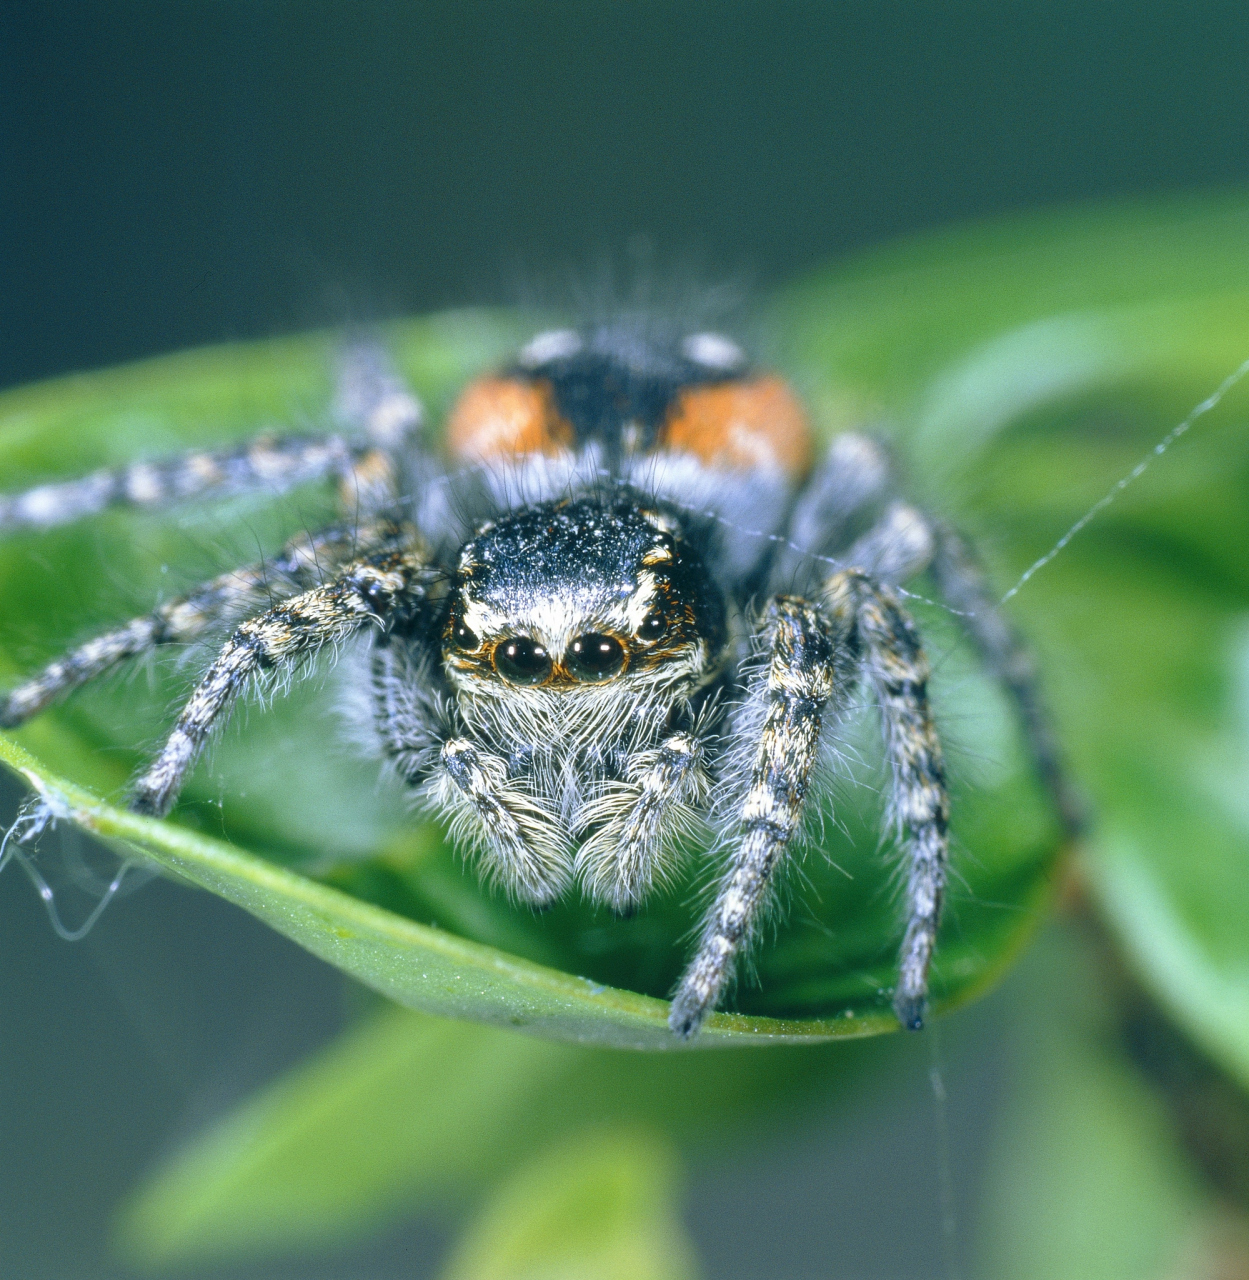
{"points": [[813, 661], [274, 463], [639, 821], [854, 480], [371, 401], [808, 664], [373, 591], [903, 543], [524, 848], [303, 563], [964, 586], [894, 664]]}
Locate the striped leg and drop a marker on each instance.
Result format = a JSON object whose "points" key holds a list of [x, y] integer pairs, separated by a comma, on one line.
{"points": [[638, 822], [813, 663], [302, 564], [371, 402], [894, 664], [271, 462], [808, 665], [366, 480], [373, 591], [963, 584]]}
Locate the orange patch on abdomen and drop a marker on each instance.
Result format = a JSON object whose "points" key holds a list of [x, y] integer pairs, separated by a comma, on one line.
{"points": [[741, 426], [506, 417]]}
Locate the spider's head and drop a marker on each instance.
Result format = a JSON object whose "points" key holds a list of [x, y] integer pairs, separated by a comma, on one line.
{"points": [[572, 596]]}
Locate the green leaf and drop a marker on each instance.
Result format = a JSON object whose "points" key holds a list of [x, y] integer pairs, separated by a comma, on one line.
{"points": [[415, 965], [402, 1110], [334, 860], [405, 1113], [1026, 367], [601, 1206]]}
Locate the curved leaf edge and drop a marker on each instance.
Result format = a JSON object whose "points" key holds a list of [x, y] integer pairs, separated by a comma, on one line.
{"points": [[470, 980]]}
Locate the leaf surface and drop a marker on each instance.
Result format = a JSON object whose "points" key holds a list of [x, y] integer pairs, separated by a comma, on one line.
{"points": [[1020, 369], [1025, 368], [601, 1206]]}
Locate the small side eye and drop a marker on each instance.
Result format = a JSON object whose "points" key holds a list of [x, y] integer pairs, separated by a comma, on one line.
{"points": [[653, 626], [463, 638], [522, 661], [595, 657]]}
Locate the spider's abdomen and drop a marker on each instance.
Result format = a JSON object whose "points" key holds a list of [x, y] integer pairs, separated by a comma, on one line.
{"points": [[632, 396], [741, 425]]}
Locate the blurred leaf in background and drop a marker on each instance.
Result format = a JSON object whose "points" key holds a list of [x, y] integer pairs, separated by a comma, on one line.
{"points": [[602, 1206], [1086, 1177], [406, 1111], [1020, 369]]}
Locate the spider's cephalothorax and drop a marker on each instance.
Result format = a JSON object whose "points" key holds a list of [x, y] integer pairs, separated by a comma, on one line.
{"points": [[580, 634], [575, 601], [619, 603]]}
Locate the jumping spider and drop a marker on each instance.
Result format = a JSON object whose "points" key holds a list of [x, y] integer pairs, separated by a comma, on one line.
{"points": [[622, 598]]}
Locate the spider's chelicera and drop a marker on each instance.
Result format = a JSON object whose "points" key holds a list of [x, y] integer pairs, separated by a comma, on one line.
{"points": [[618, 602]]}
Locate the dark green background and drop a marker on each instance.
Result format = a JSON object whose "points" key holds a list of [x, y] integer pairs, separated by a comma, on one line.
{"points": [[177, 173], [174, 174]]}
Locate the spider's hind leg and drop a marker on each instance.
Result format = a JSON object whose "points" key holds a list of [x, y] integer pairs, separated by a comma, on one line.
{"points": [[378, 416], [964, 587]]}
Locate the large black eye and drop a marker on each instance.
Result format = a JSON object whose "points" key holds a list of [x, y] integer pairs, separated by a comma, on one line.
{"points": [[522, 661], [595, 657], [463, 637]]}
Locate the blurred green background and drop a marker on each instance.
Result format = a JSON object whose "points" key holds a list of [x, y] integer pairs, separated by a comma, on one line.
{"points": [[179, 175]]}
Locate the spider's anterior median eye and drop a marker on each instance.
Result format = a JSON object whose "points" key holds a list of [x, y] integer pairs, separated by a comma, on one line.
{"points": [[522, 661], [595, 657], [464, 638]]}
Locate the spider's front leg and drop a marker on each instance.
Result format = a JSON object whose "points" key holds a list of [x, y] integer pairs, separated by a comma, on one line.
{"points": [[523, 846], [813, 662], [896, 667], [809, 664], [373, 591], [637, 822], [304, 562]]}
